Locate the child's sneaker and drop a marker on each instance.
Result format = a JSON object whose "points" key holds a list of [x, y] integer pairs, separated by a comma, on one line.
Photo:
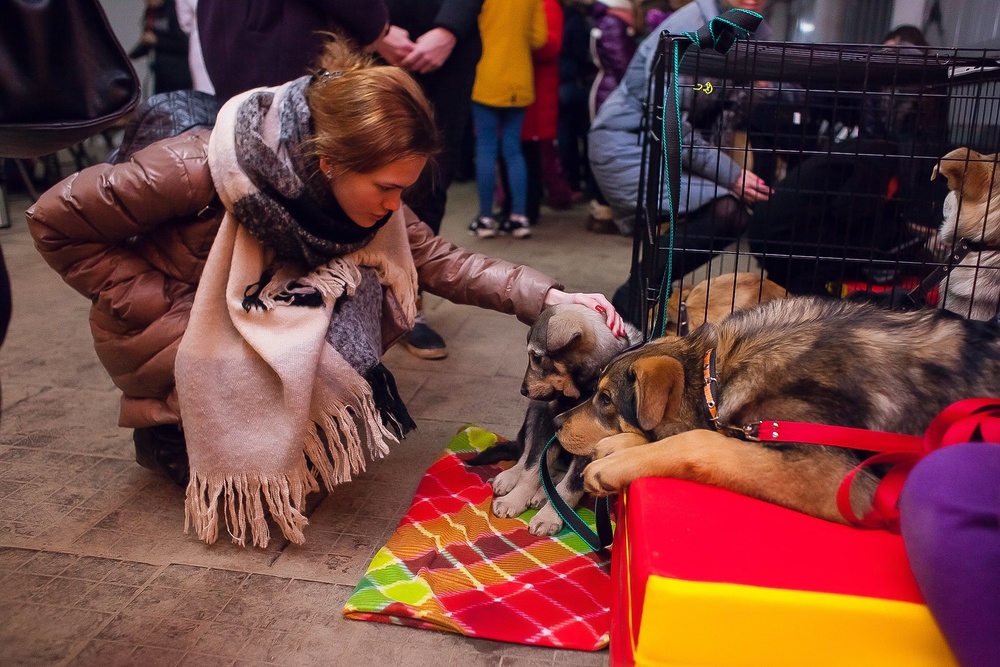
{"points": [[484, 227], [519, 226]]}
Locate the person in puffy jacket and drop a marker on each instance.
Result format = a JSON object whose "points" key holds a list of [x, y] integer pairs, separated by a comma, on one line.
{"points": [[715, 190], [714, 187], [612, 45], [540, 127], [246, 281]]}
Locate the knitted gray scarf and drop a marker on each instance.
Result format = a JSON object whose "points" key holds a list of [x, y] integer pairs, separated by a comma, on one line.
{"points": [[292, 210]]}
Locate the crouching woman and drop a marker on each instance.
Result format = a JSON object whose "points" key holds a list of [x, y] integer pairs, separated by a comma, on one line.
{"points": [[246, 281]]}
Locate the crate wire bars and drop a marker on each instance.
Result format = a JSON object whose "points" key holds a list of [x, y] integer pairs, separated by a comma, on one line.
{"points": [[847, 135]]}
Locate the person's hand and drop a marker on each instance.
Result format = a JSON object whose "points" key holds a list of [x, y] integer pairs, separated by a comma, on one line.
{"points": [[598, 302], [751, 187], [395, 45], [430, 51]]}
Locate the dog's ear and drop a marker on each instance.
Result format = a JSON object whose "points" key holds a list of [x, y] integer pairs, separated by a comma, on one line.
{"points": [[659, 387], [951, 166], [561, 334], [968, 172]]}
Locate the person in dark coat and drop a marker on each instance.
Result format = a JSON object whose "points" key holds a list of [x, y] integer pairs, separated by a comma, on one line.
{"points": [[251, 43], [438, 42], [576, 75], [167, 46]]}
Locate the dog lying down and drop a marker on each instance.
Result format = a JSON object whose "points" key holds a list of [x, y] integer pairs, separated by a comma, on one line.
{"points": [[799, 359], [567, 348], [713, 299]]}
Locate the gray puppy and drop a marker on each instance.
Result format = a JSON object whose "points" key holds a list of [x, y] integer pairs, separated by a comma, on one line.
{"points": [[568, 346]]}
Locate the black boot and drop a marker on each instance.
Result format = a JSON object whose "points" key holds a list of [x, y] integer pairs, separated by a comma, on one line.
{"points": [[423, 341], [161, 448]]}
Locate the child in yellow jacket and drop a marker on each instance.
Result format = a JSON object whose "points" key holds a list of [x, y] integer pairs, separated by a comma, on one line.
{"points": [[504, 87]]}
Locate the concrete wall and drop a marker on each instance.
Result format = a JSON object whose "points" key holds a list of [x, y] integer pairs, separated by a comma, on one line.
{"points": [[962, 23]]}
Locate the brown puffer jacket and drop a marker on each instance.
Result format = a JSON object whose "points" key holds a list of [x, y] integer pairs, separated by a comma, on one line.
{"points": [[134, 237]]}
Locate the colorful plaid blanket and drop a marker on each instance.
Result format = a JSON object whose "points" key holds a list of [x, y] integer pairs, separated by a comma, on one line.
{"points": [[451, 565]]}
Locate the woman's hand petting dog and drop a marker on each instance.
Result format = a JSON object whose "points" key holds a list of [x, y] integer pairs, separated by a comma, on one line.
{"points": [[596, 301]]}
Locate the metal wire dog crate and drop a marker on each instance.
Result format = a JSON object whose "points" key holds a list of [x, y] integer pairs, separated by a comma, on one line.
{"points": [[846, 135]]}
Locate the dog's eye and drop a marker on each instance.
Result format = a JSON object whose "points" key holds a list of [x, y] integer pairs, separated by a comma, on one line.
{"points": [[535, 358]]}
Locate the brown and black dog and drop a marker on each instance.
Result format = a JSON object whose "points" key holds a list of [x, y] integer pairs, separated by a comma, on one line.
{"points": [[798, 359], [567, 348], [971, 216]]}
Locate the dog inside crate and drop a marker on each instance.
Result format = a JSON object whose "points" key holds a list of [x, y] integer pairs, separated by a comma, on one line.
{"points": [[848, 138]]}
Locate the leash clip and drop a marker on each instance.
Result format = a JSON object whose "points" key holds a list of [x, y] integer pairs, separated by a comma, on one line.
{"points": [[749, 432]]}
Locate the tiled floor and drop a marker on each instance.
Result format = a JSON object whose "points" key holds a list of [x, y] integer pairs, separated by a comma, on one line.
{"points": [[95, 568]]}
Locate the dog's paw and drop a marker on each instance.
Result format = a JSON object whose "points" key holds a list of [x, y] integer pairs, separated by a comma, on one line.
{"points": [[606, 476], [614, 443], [545, 522], [538, 499], [505, 481], [513, 504]]}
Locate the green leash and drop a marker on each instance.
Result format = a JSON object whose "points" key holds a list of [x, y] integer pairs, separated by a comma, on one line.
{"points": [[602, 510], [721, 33]]}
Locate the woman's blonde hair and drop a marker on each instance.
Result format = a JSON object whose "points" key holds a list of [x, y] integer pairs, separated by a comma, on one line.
{"points": [[366, 115]]}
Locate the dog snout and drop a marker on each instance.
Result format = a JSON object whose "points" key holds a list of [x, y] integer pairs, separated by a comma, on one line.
{"points": [[536, 390], [559, 420]]}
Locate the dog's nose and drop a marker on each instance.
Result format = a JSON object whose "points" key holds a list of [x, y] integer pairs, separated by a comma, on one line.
{"points": [[524, 390], [559, 420]]}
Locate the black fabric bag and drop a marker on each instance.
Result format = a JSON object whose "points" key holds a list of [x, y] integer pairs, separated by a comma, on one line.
{"points": [[165, 115], [64, 76]]}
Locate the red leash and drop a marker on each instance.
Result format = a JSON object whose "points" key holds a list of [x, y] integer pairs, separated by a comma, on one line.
{"points": [[969, 420]]}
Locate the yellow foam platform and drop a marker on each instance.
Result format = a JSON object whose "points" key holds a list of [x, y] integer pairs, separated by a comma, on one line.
{"points": [[708, 578]]}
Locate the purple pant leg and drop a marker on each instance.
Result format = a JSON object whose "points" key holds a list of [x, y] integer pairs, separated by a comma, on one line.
{"points": [[950, 517]]}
